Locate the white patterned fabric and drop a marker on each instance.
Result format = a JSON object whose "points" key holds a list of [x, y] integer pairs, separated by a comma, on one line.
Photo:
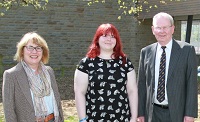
{"points": [[106, 97]]}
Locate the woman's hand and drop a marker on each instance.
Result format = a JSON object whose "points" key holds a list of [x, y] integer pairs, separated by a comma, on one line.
{"points": [[133, 120]]}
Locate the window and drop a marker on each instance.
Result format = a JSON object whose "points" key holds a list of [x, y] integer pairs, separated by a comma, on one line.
{"points": [[195, 34]]}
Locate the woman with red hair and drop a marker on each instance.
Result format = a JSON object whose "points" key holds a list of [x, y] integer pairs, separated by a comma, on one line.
{"points": [[105, 81]]}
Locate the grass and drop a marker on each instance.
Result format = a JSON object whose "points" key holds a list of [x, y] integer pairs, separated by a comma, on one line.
{"points": [[69, 119], [1, 118], [198, 79]]}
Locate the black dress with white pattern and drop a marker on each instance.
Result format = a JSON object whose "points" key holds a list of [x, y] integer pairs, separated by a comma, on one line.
{"points": [[106, 97]]}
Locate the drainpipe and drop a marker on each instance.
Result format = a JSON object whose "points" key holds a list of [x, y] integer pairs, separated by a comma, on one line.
{"points": [[189, 28]]}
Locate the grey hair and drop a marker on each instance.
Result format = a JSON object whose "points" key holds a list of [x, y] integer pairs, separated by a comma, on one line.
{"points": [[163, 14]]}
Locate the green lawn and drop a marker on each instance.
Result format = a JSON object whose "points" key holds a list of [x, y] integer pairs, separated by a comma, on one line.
{"points": [[69, 119]]}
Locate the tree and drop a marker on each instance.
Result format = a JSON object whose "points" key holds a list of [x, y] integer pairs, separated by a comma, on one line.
{"points": [[133, 7], [6, 5]]}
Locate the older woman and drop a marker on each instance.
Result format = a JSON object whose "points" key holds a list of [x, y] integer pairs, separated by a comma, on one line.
{"points": [[30, 92]]}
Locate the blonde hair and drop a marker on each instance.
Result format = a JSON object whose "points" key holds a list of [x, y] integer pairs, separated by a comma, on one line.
{"points": [[36, 39]]}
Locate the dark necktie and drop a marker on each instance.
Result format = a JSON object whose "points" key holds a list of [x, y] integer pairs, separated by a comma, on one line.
{"points": [[161, 79]]}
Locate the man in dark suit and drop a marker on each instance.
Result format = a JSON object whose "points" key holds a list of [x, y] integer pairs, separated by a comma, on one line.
{"points": [[176, 100]]}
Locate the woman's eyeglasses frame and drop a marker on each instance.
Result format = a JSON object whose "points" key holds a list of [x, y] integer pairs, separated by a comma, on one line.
{"points": [[31, 48]]}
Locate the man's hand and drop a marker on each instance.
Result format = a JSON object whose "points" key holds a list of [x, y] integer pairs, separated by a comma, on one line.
{"points": [[140, 119], [188, 119]]}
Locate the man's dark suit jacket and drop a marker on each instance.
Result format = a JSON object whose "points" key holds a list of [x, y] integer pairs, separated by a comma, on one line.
{"points": [[17, 100], [181, 81]]}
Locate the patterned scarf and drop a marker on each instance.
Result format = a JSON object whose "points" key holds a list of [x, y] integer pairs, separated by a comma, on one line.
{"points": [[40, 87]]}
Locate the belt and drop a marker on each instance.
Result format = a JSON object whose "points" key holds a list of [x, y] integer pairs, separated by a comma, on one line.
{"points": [[49, 117], [46, 119], [162, 106]]}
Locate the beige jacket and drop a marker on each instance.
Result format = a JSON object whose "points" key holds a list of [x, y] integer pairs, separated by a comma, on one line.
{"points": [[17, 100]]}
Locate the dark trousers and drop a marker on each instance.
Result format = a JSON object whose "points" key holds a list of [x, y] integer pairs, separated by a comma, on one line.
{"points": [[161, 115]]}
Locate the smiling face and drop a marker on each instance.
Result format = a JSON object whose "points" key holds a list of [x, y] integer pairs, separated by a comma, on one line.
{"points": [[107, 42], [162, 29], [32, 58]]}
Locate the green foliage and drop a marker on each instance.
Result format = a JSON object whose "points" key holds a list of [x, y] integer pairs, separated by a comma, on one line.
{"points": [[6, 5], [131, 7]]}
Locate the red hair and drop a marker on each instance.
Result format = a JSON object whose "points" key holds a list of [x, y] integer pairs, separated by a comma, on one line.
{"points": [[94, 49]]}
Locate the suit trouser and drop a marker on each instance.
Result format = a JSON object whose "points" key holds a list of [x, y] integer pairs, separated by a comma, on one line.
{"points": [[161, 115]]}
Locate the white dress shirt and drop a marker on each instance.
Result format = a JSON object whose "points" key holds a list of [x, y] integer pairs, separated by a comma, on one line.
{"points": [[157, 66]]}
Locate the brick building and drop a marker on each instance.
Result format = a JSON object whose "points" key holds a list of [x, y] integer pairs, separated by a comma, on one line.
{"points": [[68, 27]]}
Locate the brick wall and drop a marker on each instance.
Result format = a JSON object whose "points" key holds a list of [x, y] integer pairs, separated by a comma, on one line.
{"points": [[68, 27]]}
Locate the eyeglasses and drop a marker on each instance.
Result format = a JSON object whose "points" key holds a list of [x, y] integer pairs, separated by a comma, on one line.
{"points": [[31, 48], [162, 28]]}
